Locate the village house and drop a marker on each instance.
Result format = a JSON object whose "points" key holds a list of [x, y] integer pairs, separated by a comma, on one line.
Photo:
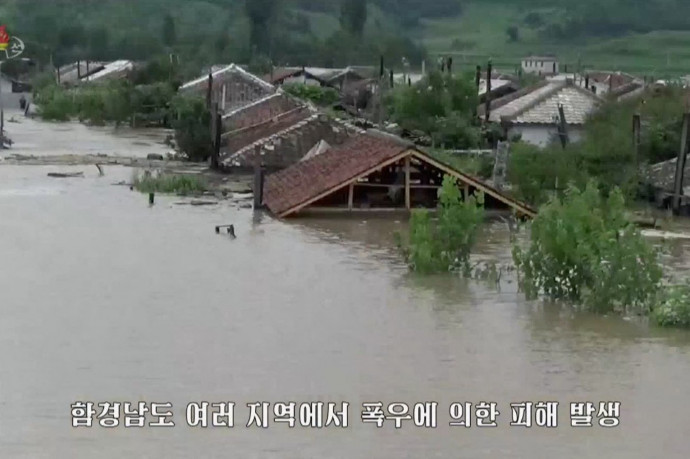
{"points": [[72, 74], [110, 71], [281, 128], [231, 87], [533, 113], [540, 65], [371, 171]]}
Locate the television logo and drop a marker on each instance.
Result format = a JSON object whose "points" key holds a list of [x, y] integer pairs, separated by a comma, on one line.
{"points": [[11, 46]]}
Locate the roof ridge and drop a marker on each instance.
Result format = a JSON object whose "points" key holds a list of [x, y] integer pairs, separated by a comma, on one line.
{"points": [[265, 140], [508, 98], [251, 104]]}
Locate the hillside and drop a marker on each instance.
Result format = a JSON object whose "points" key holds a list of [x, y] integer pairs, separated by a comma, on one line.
{"points": [[651, 37]]}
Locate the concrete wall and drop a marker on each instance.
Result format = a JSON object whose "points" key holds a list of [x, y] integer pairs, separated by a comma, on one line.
{"points": [[540, 67], [542, 135]]}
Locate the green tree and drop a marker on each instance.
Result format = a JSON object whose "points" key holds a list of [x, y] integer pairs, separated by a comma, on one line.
{"points": [[353, 16], [445, 244], [260, 13], [583, 250], [169, 32]]}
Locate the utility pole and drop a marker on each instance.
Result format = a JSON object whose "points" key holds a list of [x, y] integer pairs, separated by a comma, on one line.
{"points": [[680, 165]]}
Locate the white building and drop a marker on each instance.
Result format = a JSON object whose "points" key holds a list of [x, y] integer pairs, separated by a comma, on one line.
{"points": [[533, 114], [540, 65]]}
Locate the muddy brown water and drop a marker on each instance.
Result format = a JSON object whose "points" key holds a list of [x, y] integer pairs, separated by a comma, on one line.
{"points": [[106, 299]]}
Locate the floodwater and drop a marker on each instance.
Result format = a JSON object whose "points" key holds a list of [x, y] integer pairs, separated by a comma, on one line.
{"points": [[105, 299], [40, 138]]}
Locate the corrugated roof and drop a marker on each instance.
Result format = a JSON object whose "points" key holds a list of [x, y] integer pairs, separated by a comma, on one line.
{"points": [[110, 69], [230, 69]]}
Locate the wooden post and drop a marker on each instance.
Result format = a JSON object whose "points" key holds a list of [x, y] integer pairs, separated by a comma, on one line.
{"points": [[680, 165], [209, 90], [381, 68], [223, 95], [351, 196], [391, 78], [258, 179], [217, 131], [409, 81], [587, 82], [562, 126], [151, 198], [449, 65], [467, 191], [636, 138], [87, 66], [478, 77], [408, 203], [487, 97], [58, 74], [78, 69]]}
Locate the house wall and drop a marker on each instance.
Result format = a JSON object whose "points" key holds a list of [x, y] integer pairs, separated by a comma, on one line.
{"points": [[540, 67], [238, 91], [541, 136]]}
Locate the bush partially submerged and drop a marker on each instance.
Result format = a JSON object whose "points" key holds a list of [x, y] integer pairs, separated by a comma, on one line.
{"points": [[168, 183], [583, 250], [445, 244], [674, 310]]}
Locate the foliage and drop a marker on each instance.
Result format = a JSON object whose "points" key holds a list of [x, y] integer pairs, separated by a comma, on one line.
{"points": [[353, 16], [191, 124], [674, 310], [445, 244], [481, 166], [168, 183], [537, 174], [169, 33], [260, 13], [582, 249], [441, 106], [316, 94], [513, 33]]}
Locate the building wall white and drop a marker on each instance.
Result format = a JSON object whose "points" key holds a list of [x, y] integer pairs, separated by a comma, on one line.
{"points": [[540, 66], [541, 136]]}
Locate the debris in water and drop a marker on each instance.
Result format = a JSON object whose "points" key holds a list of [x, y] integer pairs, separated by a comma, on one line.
{"points": [[65, 174]]}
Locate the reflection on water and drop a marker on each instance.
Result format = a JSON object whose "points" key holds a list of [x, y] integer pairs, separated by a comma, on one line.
{"points": [[105, 299]]}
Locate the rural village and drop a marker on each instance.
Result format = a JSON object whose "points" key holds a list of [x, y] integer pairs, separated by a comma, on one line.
{"points": [[334, 205]]}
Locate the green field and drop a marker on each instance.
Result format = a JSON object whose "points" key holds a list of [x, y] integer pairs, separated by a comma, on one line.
{"points": [[480, 33]]}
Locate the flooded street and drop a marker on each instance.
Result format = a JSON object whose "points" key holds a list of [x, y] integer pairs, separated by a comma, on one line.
{"points": [[40, 138], [105, 299]]}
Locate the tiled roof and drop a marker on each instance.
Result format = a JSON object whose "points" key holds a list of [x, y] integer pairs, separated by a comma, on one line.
{"points": [[261, 110], [272, 135], [230, 69], [305, 180], [541, 105]]}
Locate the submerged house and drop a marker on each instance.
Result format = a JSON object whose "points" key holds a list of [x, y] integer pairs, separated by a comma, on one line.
{"points": [[281, 128], [533, 113], [371, 171], [73, 73], [230, 87]]}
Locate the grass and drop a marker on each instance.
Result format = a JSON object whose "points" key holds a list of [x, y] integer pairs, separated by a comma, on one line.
{"points": [[480, 34], [168, 183]]}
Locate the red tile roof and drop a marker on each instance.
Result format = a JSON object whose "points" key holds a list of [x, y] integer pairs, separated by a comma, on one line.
{"points": [[308, 179]]}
